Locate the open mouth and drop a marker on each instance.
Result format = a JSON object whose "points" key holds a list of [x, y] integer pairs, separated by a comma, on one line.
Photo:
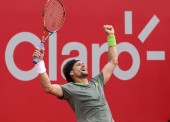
{"points": [[84, 69]]}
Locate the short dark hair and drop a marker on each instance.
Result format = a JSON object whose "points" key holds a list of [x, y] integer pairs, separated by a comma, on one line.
{"points": [[67, 69]]}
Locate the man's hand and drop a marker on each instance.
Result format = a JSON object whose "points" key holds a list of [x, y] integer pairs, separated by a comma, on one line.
{"points": [[109, 29], [39, 53]]}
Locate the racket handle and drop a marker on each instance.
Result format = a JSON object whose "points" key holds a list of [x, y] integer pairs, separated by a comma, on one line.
{"points": [[35, 60]]}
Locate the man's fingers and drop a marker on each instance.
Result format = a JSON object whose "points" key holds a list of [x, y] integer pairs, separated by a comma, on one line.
{"points": [[36, 53], [108, 27]]}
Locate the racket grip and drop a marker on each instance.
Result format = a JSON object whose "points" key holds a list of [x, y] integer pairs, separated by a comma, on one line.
{"points": [[35, 60]]}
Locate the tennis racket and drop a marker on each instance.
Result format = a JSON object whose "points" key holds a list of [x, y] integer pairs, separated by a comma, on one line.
{"points": [[53, 18]]}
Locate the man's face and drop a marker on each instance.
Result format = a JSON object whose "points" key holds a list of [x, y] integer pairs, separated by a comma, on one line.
{"points": [[79, 70]]}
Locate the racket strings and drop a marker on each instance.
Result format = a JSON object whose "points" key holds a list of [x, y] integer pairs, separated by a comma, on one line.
{"points": [[54, 15]]}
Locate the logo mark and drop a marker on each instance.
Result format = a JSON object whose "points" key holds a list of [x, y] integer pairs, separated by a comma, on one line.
{"points": [[131, 49]]}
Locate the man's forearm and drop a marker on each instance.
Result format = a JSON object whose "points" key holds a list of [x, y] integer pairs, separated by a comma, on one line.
{"points": [[44, 79], [112, 51]]}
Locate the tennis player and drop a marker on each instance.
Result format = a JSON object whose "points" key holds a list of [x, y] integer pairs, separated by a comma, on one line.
{"points": [[86, 97]]}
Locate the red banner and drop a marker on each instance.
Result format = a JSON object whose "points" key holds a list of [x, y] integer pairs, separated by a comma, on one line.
{"points": [[139, 89]]}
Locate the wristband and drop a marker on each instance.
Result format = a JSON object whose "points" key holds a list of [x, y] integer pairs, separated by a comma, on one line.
{"points": [[40, 67], [111, 40]]}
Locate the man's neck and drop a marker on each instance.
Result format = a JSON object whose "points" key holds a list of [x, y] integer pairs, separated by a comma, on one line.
{"points": [[83, 81]]}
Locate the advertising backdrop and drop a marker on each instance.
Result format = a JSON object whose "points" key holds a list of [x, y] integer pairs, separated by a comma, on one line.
{"points": [[138, 91]]}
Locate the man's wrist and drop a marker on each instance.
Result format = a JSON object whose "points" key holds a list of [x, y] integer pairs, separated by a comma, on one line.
{"points": [[111, 40], [40, 67]]}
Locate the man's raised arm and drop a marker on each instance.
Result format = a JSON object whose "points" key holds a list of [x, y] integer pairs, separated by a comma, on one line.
{"points": [[53, 89], [112, 53]]}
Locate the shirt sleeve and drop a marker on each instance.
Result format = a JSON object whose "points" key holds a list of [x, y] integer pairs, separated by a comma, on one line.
{"points": [[99, 79], [66, 91]]}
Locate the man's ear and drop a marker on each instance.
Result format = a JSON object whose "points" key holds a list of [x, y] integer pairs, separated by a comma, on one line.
{"points": [[71, 72]]}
